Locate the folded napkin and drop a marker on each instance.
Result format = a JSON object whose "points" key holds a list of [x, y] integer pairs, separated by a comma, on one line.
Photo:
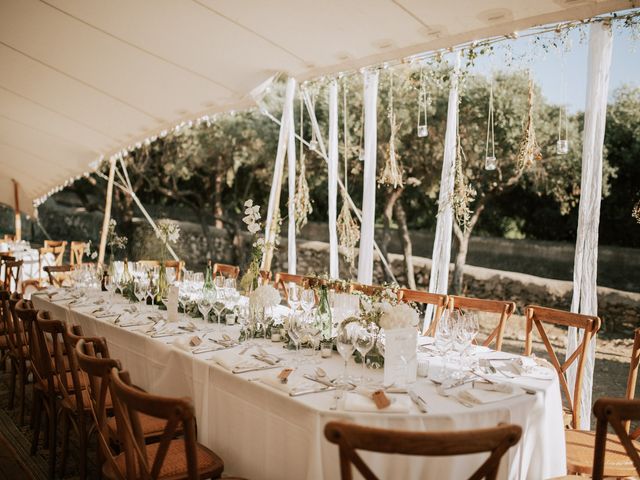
{"points": [[533, 367], [293, 384], [481, 396], [357, 402], [237, 363]]}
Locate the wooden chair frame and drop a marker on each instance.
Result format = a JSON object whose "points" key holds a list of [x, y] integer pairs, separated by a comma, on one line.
{"points": [[503, 308], [282, 280], [76, 252], [12, 273], [368, 289], [129, 402], [178, 265], [539, 316], [351, 437], [19, 350], [229, 271], [618, 413], [440, 302], [56, 274]]}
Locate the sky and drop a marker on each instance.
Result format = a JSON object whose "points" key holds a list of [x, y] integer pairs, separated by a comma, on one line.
{"points": [[548, 71]]}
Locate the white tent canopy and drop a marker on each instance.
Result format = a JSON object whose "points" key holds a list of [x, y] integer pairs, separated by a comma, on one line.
{"points": [[82, 79]]}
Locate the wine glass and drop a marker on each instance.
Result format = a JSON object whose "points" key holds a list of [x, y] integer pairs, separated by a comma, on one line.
{"points": [[205, 304], [345, 343], [466, 331], [295, 330], [307, 299], [294, 295], [444, 333], [365, 339], [218, 304], [218, 283], [184, 295], [110, 285], [313, 330]]}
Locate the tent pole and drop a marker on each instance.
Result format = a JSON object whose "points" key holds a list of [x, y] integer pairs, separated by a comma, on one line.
{"points": [[107, 212], [18, 219]]}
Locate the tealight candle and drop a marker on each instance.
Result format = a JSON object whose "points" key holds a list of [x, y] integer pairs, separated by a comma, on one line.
{"points": [[275, 334], [423, 368], [230, 318], [326, 348]]}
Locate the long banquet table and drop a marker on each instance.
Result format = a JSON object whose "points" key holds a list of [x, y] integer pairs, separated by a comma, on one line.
{"points": [[263, 433]]}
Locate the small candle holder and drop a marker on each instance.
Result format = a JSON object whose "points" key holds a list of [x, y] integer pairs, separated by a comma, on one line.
{"points": [[562, 147], [422, 131], [326, 349], [230, 318], [490, 163]]}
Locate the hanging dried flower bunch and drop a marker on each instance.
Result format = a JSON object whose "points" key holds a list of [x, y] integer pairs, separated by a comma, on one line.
{"points": [[529, 151], [303, 206], [636, 211], [463, 193], [392, 173], [348, 231]]}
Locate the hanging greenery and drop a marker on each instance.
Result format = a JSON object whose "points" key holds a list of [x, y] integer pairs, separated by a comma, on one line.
{"points": [[392, 172], [463, 192], [529, 151], [303, 206], [348, 231]]}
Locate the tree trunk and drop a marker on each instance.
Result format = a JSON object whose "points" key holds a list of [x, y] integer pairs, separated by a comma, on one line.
{"points": [[392, 197], [462, 239], [217, 199], [407, 247]]}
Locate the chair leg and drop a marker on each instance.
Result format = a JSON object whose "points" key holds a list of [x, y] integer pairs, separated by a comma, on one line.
{"points": [[53, 420], [36, 416], [23, 387], [65, 443], [12, 385], [82, 430]]}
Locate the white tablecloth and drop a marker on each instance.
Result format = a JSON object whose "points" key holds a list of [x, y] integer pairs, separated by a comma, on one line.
{"points": [[263, 433]]}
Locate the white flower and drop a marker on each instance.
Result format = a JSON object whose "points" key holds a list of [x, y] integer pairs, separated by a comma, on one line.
{"points": [[168, 231], [398, 316], [94, 254], [254, 227], [264, 296], [248, 203]]}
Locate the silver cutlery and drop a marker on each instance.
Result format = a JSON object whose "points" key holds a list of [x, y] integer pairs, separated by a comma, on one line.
{"points": [[297, 393], [253, 368], [419, 401]]}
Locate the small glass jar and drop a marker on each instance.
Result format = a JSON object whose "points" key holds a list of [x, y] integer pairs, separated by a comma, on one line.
{"points": [[326, 349], [490, 163], [230, 318], [422, 131]]}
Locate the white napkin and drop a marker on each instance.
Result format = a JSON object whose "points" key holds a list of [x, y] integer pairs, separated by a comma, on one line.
{"points": [[481, 397], [355, 402], [232, 361], [533, 367], [292, 384]]}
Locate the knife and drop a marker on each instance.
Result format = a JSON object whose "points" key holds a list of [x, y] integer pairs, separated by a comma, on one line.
{"points": [[297, 393], [419, 401]]}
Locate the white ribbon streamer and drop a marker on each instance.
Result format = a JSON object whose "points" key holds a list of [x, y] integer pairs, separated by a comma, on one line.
{"points": [[585, 294], [333, 180], [439, 278], [365, 255]]}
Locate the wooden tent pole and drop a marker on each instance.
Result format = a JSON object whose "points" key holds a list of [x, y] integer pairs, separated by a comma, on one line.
{"points": [[18, 219], [107, 212]]}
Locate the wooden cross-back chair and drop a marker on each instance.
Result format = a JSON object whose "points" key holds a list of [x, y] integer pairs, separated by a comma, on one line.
{"points": [[229, 271], [184, 457], [282, 280], [582, 445], [265, 277], [177, 265], [5, 257], [368, 289], [19, 349], [589, 325], [439, 301], [502, 308], [70, 385], [76, 252], [351, 437], [55, 243], [9, 238], [57, 274], [12, 274]]}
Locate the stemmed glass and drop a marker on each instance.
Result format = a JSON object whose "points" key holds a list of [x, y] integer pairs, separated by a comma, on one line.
{"points": [[218, 304], [365, 340], [184, 295], [294, 295], [466, 331], [218, 283], [313, 330], [205, 304], [110, 285], [444, 333], [295, 330], [308, 299], [345, 343], [152, 290]]}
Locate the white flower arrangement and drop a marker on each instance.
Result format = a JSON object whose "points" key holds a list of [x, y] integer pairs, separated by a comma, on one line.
{"points": [[252, 216], [168, 231], [264, 296], [113, 239], [398, 316]]}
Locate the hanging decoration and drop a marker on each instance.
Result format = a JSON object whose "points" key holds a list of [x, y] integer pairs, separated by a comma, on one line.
{"points": [[423, 103], [303, 206], [392, 172], [562, 145], [313, 143], [636, 211], [463, 193], [529, 151], [348, 230], [490, 148], [361, 144]]}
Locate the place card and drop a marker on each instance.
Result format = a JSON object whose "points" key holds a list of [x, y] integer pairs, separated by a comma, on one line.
{"points": [[380, 399], [284, 374], [195, 341], [172, 304]]}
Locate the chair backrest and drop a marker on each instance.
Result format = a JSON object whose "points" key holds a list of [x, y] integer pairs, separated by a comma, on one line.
{"points": [[57, 274], [27, 316], [616, 412], [59, 348], [12, 324], [230, 271], [93, 359], [368, 289], [351, 437], [265, 277], [282, 280], [9, 238], [177, 265], [439, 301], [541, 316], [59, 248], [76, 253], [502, 308], [128, 403], [12, 274]]}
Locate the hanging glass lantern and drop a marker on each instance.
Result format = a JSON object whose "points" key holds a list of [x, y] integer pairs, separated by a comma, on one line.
{"points": [[562, 145], [490, 162], [313, 145], [422, 107], [361, 146]]}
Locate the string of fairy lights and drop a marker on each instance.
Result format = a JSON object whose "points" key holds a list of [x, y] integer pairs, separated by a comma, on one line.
{"points": [[629, 19]]}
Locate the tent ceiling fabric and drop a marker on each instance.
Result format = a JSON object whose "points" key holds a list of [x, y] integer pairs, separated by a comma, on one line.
{"points": [[85, 78]]}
